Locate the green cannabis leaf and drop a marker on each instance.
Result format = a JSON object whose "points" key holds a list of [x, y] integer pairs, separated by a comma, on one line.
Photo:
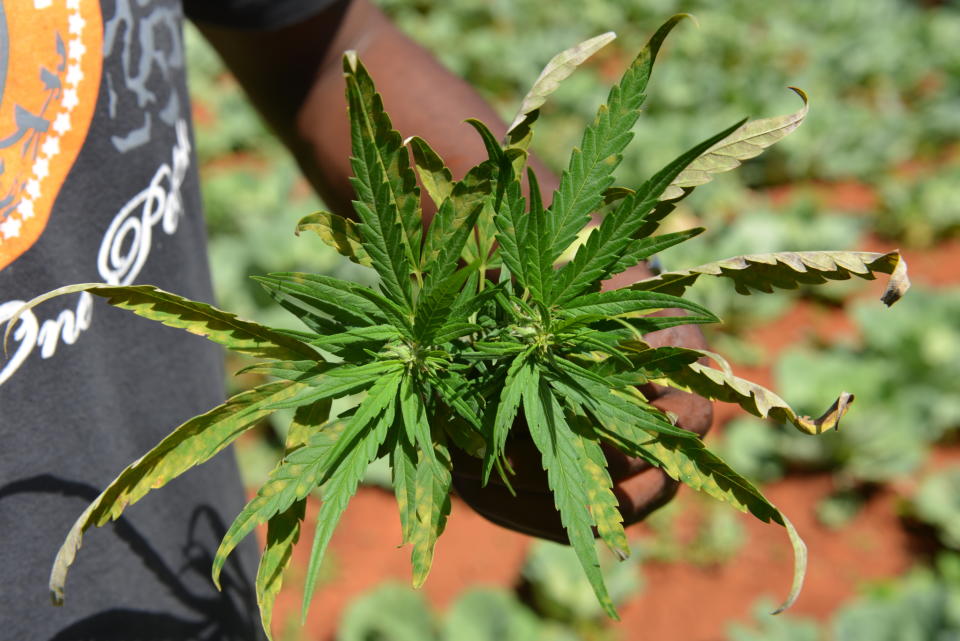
{"points": [[445, 355]]}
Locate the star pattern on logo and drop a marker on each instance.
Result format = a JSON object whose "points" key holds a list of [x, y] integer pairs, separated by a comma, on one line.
{"points": [[33, 188], [62, 123], [74, 75], [70, 99], [41, 168], [76, 23], [25, 209], [76, 50], [51, 146], [10, 228]]}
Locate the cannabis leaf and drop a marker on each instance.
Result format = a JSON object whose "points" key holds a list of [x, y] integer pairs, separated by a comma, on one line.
{"points": [[241, 336], [557, 70], [787, 270], [388, 200], [746, 142], [722, 385], [560, 446], [283, 530], [606, 248], [338, 232], [191, 444], [590, 172]]}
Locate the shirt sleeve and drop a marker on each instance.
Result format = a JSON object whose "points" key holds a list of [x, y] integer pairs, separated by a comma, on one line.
{"points": [[254, 14]]}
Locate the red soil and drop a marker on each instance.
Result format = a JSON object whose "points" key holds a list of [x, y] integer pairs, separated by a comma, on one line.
{"points": [[365, 552], [681, 601]]}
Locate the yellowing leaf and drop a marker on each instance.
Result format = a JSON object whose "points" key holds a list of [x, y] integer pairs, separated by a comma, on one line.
{"points": [[404, 475], [340, 233], [349, 458], [432, 495], [746, 142], [787, 270], [283, 530], [557, 70], [236, 334], [689, 461], [604, 506], [715, 384], [693, 464], [191, 444], [434, 175], [310, 465]]}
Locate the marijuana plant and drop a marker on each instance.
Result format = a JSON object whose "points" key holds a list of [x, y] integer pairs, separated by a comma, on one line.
{"points": [[450, 357]]}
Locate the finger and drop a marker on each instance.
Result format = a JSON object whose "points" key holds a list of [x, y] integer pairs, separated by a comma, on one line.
{"points": [[522, 456], [534, 513], [620, 466], [693, 412], [643, 493], [531, 513], [681, 335]]}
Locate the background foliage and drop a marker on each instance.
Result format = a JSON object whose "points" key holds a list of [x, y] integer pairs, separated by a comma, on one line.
{"points": [[876, 164]]}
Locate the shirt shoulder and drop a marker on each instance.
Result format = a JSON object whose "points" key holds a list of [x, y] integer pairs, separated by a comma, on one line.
{"points": [[254, 14]]}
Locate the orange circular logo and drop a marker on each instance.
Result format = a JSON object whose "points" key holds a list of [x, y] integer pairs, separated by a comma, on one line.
{"points": [[51, 54]]}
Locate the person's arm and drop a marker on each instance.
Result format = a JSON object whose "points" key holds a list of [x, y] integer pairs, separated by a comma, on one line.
{"points": [[294, 76]]}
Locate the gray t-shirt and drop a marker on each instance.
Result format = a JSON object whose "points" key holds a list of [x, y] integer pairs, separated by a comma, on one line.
{"points": [[98, 183]]}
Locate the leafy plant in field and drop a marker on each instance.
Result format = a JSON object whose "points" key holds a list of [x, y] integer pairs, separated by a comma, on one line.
{"points": [[565, 607], [450, 358], [786, 628], [921, 606], [392, 612], [937, 502], [717, 537], [922, 211], [559, 590]]}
